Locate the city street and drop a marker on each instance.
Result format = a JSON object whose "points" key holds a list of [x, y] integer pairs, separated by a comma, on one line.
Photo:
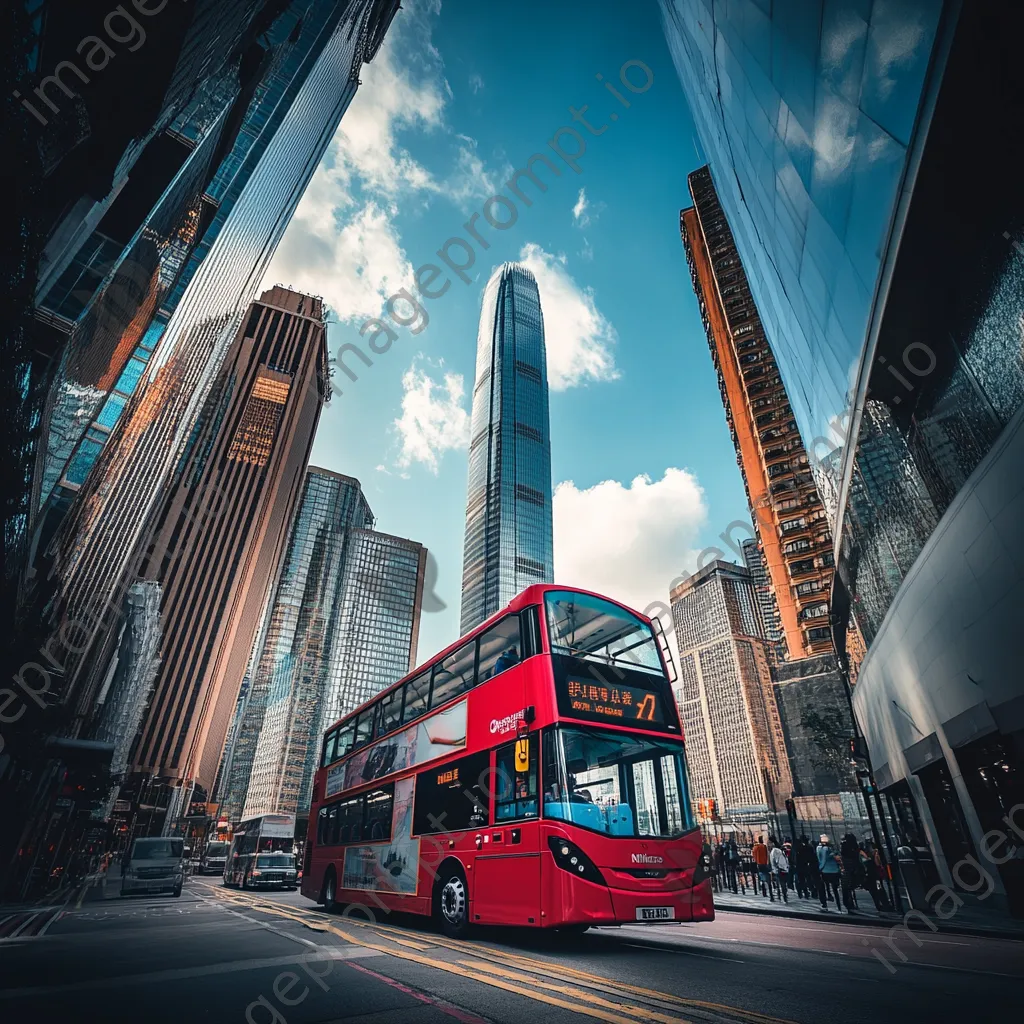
{"points": [[218, 954]]}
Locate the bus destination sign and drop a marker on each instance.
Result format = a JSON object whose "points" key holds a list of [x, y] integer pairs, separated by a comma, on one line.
{"points": [[627, 705]]}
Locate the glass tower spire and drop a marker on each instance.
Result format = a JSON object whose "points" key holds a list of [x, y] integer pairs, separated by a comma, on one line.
{"points": [[508, 510]]}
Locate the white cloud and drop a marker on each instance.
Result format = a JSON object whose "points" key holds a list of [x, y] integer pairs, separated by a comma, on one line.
{"points": [[342, 242], [578, 336], [580, 216], [628, 542], [355, 267], [397, 93], [433, 420], [476, 83]]}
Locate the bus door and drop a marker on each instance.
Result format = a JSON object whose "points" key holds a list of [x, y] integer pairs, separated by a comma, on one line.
{"points": [[507, 864]]}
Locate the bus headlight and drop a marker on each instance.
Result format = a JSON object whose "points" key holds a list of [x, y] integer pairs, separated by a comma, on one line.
{"points": [[569, 857]]}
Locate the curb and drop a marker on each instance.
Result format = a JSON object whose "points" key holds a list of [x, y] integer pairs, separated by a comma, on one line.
{"points": [[878, 922]]}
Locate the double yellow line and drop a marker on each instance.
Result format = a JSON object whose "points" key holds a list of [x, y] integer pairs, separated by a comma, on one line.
{"points": [[554, 984]]}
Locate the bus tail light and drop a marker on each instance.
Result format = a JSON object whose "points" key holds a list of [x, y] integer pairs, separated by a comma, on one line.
{"points": [[571, 858]]}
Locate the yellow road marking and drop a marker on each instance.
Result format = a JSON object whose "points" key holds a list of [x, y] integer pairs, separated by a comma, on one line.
{"points": [[528, 963], [636, 1011], [610, 986], [612, 1018]]}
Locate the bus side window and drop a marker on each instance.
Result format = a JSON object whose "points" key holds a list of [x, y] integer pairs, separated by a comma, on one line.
{"points": [[390, 712], [345, 736], [379, 803], [417, 695], [454, 675], [328, 756], [364, 728], [500, 648]]}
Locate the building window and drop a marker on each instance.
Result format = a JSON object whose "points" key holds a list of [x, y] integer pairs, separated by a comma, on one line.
{"points": [[814, 611], [797, 546], [793, 524], [254, 439]]}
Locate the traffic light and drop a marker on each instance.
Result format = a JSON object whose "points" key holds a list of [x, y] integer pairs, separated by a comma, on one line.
{"points": [[791, 808]]}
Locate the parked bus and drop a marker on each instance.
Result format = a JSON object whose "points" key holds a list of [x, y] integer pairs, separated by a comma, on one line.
{"points": [[260, 837], [533, 773]]}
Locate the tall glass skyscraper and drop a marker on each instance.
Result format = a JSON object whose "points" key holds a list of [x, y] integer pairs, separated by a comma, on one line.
{"points": [[121, 298], [342, 624], [508, 512], [98, 546], [289, 670]]}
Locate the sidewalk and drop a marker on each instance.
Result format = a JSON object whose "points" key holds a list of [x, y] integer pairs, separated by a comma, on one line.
{"points": [[967, 920]]}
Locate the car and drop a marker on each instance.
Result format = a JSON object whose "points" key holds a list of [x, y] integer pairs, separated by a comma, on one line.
{"points": [[153, 865], [271, 871]]}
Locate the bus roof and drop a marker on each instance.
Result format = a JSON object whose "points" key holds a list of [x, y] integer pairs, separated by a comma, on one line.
{"points": [[532, 595]]}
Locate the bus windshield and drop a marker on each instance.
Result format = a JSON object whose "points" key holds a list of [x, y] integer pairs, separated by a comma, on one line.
{"points": [[597, 630], [615, 783]]}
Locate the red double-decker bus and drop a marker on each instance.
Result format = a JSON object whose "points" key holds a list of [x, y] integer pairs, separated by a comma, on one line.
{"points": [[531, 774]]}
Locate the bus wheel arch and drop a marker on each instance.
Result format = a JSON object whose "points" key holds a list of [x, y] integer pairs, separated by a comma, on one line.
{"points": [[451, 898]]}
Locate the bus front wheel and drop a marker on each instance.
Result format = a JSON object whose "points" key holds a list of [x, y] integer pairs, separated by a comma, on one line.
{"points": [[451, 903]]}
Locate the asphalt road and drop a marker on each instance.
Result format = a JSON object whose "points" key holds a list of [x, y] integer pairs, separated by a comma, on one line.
{"points": [[220, 955]]}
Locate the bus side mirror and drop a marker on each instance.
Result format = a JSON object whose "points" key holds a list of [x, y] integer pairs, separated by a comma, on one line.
{"points": [[522, 755]]}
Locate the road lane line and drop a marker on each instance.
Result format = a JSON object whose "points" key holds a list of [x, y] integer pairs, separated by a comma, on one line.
{"points": [[24, 924], [445, 1007], [686, 952]]}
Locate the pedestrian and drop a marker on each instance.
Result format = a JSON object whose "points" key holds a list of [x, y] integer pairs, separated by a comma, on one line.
{"points": [[829, 874], [731, 853], [764, 878], [787, 849], [779, 864], [871, 870], [718, 859], [849, 859], [806, 869]]}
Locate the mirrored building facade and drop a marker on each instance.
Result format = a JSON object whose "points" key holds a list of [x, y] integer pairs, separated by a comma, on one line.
{"points": [[99, 544], [861, 155], [343, 623], [508, 543], [288, 671]]}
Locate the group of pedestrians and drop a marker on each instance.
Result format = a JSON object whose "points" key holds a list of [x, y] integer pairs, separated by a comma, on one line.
{"points": [[780, 869]]}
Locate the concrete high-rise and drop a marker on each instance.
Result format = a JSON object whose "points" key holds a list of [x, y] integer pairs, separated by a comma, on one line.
{"points": [[508, 543], [788, 515], [734, 741], [222, 530]]}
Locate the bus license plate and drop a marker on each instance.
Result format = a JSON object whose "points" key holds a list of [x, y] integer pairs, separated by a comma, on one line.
{"points": [[655, 913]]}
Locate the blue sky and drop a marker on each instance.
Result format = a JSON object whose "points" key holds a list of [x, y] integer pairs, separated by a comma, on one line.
{"points": [[460, 95]]}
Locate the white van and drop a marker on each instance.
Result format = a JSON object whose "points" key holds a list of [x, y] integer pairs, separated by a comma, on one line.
{"points": [[153, 865]]}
